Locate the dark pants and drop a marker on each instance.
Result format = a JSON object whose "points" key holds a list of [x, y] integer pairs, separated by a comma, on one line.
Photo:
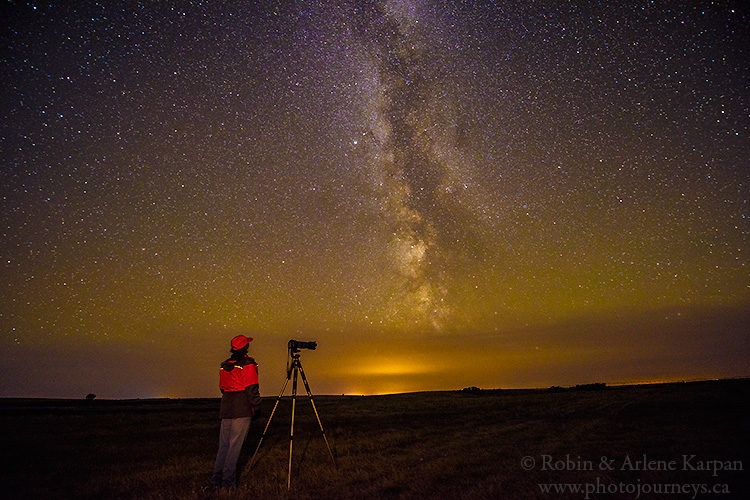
{"points": [[231, 437]]}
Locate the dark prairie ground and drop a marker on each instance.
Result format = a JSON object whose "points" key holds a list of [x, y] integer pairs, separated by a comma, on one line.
{"points": [[425, 445]]}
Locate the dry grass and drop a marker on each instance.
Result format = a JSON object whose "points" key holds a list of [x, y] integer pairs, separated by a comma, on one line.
{"points": [[427, 445]]}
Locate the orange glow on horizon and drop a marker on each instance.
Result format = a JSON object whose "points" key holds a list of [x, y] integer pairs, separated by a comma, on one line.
{"points": [[390, 367]]}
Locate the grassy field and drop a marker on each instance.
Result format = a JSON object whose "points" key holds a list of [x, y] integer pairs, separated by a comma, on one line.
{"points": [[501, 444]]}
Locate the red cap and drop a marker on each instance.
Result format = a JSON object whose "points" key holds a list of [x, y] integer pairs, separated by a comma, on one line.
{"points": [[240, 341]]}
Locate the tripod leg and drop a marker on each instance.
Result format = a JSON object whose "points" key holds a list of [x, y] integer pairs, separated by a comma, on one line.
{"points": [[291, 430], [252, 460], [309, 394]]}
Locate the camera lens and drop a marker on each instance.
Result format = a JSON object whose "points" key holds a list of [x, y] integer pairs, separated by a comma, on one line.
{"points": [[295, 345]]}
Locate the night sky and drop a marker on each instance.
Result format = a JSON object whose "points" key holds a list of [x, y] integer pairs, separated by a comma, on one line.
{"points": [[442, 194]]}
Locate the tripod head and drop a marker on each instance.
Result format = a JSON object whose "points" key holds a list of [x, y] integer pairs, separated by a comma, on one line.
{"points": [[293, 348]]}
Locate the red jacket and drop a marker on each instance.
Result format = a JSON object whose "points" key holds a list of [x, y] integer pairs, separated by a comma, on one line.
{"points": [[235, 375], [238, 382]]}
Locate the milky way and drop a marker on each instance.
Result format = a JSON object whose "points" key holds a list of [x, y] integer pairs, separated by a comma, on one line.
{"points": [[404, 130], [522, 194]]}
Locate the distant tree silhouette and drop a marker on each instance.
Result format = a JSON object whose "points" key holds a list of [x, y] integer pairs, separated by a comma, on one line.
{"points": [[599, 386], [90, 396], [477, 390]]}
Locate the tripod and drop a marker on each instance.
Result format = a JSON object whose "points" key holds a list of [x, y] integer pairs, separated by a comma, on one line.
{"points": [[291, 372]]}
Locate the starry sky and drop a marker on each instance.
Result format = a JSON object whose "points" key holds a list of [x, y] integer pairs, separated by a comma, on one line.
{"points": [[442, 194]]}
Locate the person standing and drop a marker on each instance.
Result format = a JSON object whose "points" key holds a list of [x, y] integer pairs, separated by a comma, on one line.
{"points": [[240, 401]]}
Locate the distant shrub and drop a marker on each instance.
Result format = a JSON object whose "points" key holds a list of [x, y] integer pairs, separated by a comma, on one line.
{"points": [[599, 386], [477, 390]]}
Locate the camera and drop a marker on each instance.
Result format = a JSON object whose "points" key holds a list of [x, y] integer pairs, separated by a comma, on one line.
{"points": [[296, 345]]}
